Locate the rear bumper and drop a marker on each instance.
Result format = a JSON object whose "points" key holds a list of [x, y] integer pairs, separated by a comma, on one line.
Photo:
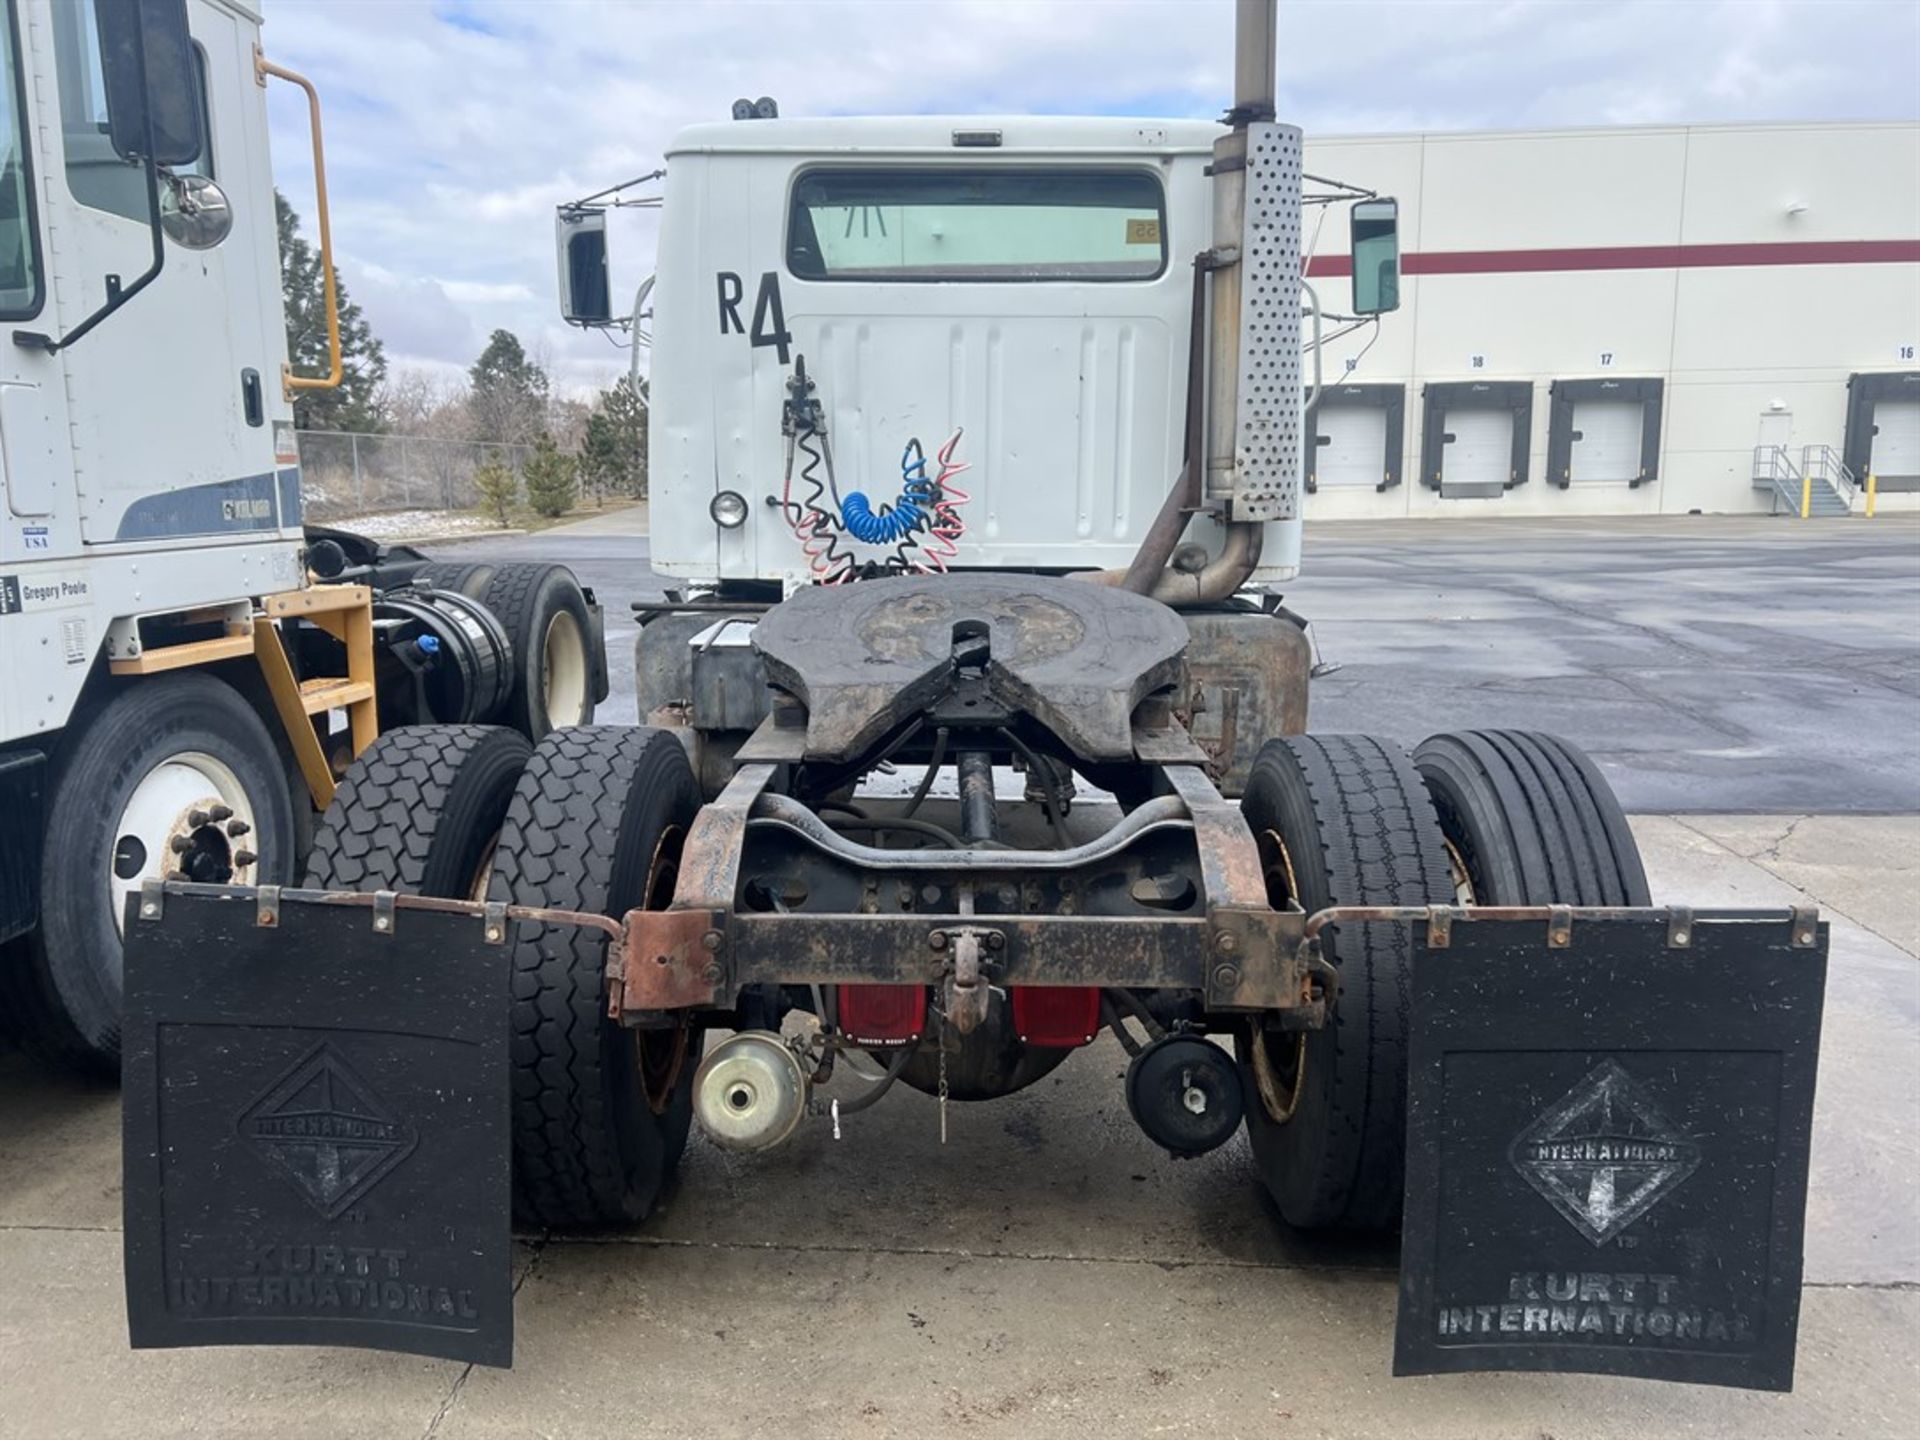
{"points": [[1239, 960]]}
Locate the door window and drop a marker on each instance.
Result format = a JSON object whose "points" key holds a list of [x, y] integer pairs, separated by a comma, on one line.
{"points": [[96, 174], [19, 242]]}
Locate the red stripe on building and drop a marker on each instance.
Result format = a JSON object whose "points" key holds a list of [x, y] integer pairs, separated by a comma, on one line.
{"points": [[1641, 257]]}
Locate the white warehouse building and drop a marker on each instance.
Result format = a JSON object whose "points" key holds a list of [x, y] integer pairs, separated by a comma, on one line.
{"points": [[1621, 321]]}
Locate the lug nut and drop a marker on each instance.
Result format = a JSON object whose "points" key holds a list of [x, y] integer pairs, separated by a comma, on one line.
{"points": [[244, 858], [219, 813], [197, 818], [237, 829], [179, 844]]}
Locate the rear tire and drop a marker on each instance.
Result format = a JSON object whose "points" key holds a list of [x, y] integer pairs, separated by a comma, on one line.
{"points": [[1340, 820], [600, 1111], [418, 812], [1530, 820], [130, 777], [469, 580], [544, 612]]}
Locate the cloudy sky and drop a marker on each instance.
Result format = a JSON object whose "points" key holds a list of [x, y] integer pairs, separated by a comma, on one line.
{"points": [[455, 126]]}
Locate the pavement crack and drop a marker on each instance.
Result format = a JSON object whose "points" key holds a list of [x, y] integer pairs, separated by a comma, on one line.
{"points": [[1759, 858], [66, 1229], [660, 1242], [459, 1381]]}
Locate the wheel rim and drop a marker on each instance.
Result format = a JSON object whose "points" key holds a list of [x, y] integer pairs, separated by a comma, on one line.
{"points": [[661, 1055], [563, 681], [189, 817], [1280, 1082], [1461, 874]]}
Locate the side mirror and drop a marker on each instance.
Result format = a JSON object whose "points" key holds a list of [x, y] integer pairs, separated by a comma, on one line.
{"points": [[1375, 246], [585, 293], [152, 88], [194, 212]]}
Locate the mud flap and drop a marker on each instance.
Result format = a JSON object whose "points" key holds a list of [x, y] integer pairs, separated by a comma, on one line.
{"points": [[316, 1127], [1607, 1146]]}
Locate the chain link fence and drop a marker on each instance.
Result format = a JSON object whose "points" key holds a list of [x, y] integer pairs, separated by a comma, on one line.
{"points": [[344, 475]]}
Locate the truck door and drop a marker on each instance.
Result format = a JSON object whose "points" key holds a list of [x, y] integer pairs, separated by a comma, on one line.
{"points": [[171, 441], [36, 477]]}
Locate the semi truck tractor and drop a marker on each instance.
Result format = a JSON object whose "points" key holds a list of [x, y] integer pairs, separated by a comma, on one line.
{"points": [[187, 669], [974, 733]]}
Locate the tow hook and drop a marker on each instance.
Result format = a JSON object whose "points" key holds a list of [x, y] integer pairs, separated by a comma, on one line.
{"points": [[966, 988]]}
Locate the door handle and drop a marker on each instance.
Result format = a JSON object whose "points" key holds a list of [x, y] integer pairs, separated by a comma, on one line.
{"points": [[252, 403]]}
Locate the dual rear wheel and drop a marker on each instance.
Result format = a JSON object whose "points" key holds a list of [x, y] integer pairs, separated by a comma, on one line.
{"points": [[590, 819], [1491, 817]]}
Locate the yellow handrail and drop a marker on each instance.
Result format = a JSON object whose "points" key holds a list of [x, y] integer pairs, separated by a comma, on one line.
{"points": [[290, 382], [1806, 493], [1873, 492]]}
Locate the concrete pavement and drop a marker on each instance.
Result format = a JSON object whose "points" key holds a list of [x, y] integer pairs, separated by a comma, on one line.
{"points": [[1046, 1273]]}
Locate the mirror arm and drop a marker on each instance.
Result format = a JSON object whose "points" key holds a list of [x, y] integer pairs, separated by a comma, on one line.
{"points": [[290, 382]]}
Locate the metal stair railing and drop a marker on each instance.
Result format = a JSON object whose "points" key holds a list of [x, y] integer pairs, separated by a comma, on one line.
{"points": [[1825, 466], [1774, 469]]}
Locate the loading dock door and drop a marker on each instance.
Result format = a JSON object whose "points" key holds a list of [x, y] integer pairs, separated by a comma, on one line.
{"points": [[1474, 436], [1896, 438], [1883, 428], [1606, 440], [1604, 430], [1353, 446], [1479, 454]]}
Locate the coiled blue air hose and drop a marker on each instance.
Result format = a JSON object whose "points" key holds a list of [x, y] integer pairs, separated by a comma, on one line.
{"points": [[897, 521]]}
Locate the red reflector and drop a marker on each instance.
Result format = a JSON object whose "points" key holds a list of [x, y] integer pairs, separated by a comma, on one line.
{"points": [[883, 1014], [1056, 1015]]}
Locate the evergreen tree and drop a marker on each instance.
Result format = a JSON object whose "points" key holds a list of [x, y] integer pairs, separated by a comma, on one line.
{"points": [[499, 487], [550, 480], [625, 406], [508, 400], [356, 403]]}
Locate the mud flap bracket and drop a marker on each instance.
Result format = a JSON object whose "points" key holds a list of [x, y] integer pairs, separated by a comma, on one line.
{"points": [[1608, 1131]]}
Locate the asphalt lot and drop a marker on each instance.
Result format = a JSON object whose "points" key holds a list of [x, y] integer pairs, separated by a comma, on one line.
{"points": [[1047, 1272], [1710, 663]]}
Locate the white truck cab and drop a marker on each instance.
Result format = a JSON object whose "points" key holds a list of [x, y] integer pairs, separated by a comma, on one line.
{"points": [[1023, 281], [150, 461]]}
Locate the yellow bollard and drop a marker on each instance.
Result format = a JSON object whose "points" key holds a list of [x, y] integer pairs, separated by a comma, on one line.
{"points": [[1873, 492], [1806, 495]]}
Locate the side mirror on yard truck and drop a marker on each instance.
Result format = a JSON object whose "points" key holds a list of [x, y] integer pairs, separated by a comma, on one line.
{"points": [[1375, 246], [585, 295], [152, 88]]}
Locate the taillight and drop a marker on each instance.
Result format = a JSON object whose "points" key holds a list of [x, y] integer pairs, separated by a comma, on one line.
{"points": [[1056, 1015], [883, 1014]]}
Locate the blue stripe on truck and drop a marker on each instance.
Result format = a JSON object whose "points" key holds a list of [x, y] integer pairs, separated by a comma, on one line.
{"points": [[220, 507]]}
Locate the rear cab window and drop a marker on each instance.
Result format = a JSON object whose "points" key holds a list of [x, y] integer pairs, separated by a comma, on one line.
{"points": [[976, 223]]}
